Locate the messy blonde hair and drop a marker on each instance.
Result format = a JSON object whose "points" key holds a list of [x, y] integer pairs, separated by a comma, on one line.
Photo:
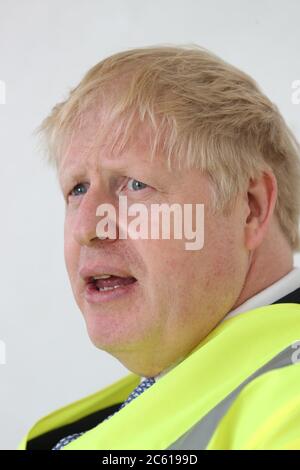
{"points": [[203, 113]]}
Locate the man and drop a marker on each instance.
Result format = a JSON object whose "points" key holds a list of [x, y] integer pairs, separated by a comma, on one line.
{"points": [[211, 333]]}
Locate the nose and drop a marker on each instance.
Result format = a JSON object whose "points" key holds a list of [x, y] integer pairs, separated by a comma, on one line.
{"points": [[88, 228]]}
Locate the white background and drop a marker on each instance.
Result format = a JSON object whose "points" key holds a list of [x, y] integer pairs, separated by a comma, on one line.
{"points": [[45, 48]]}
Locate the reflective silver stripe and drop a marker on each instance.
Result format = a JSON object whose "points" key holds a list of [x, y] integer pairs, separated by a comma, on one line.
{"points": [[198, 437]]}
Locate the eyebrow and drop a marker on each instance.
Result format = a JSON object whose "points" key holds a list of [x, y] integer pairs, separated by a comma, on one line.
{"points": [[72, 174], [117, 165]]}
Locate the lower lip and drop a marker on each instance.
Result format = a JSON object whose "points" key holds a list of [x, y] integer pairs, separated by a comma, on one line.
{"points": [[94, 296]]}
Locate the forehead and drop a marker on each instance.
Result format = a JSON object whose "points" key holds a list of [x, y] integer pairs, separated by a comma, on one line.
{"points": [[94, 146]]}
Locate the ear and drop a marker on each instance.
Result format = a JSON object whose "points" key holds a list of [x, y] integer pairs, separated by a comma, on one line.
{"points": [[261, 200]]}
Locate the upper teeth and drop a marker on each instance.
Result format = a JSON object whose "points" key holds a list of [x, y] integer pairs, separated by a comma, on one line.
{"points": [[104, 276]]}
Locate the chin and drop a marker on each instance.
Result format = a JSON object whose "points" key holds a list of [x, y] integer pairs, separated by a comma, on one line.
{"points": [[111, 340]]}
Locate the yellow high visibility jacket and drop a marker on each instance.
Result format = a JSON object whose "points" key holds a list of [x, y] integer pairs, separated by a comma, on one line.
{"points": [[238, 389]]}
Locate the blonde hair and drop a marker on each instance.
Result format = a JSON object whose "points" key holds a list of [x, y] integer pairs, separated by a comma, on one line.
{"points": [[203, 113]]}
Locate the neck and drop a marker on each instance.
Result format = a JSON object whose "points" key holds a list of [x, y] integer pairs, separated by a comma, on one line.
{"points": [[272, 260]]}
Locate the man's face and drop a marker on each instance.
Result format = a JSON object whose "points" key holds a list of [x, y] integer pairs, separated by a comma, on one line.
{"points": [[179, 295]]}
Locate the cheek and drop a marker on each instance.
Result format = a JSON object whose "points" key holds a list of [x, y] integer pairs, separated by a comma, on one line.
{"points": [[71, 252], [223, 252], [171, 268], [182, 274]]}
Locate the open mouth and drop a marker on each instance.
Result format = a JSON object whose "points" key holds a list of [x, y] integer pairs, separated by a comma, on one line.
{"points": [[109, 282]]}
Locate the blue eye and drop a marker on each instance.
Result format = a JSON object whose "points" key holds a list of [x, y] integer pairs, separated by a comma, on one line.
{"points": [[79, 189], [136, 185]]}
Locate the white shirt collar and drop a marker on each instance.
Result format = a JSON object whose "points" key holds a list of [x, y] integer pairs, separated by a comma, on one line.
{"points": [[267, 296]]}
